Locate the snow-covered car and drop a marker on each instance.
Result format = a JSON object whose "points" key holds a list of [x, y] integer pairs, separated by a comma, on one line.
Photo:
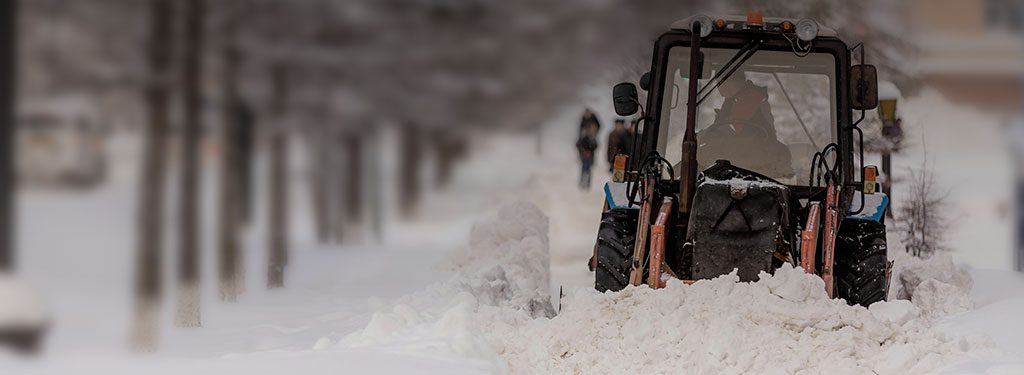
{"points": [[60, 143], [23, 315]]}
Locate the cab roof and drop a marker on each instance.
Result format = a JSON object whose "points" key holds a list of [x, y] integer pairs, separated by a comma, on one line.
{"points": [[685, 23]]}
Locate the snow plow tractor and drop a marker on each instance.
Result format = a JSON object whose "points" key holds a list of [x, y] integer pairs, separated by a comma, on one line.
{"points": [[748, 157]]}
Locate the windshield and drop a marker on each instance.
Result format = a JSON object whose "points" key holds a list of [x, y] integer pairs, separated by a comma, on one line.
{"points": [[770, 116]]}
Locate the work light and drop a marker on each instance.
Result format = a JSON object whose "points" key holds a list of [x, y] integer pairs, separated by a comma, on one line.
{"points": [[705, 25], [806, 30]]}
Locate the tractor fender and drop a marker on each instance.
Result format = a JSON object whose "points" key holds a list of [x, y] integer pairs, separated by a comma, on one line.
{"points": [[617, 195], [874, 206]]}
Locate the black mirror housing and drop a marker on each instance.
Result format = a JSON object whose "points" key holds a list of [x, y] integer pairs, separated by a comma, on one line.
{"points": [[645, 81], [624, 96], [863, 87]]}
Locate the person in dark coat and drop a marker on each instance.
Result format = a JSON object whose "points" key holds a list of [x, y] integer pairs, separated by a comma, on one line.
{"points": [[744, 131], [589, 119], [585, 146], [620, 141]]}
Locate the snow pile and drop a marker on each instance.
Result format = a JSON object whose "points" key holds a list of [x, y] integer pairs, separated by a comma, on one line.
{"points": [[783, 323], [20, 305], [496, 309], [899, 311], [507, 260], [504, 268], [936, 285]]}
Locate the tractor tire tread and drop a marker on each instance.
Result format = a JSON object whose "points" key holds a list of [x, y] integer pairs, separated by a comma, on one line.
{"points": [[861, 262], [615, 241]]}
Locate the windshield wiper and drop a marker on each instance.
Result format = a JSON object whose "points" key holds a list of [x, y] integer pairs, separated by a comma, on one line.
{"points": [[739, 59], [728, 64]]}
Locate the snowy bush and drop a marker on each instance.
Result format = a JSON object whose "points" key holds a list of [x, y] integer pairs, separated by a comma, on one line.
{"points": [[922, 217]]}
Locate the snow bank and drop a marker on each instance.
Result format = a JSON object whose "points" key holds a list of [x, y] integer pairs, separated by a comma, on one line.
{"points": [[496, 309], [504, 268]]}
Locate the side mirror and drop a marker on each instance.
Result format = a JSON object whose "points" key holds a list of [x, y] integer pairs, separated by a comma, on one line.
{"points": [[645, 81], [625, 98], [863, 87]]}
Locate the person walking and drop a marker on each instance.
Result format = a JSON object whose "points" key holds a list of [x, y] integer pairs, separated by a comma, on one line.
{"points": [[585, 147], [620, 141], [589, 119]]}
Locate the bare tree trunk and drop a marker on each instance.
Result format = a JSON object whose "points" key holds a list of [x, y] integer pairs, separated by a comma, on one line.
{"points": [[539, 147], [278, 196], [354, 176], [376, 188], [187, 314], [8, 93], [338, 186], [232, 273], [246, 143], [409, 186], [443, 147], [150, 207], [278, 211], [320, 181]]}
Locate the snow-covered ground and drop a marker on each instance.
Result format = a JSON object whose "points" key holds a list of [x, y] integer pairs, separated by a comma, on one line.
{"points": [[475, 287]]}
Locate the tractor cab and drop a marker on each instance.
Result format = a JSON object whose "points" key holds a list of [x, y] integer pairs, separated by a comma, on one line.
{"points": [[749, 141]]}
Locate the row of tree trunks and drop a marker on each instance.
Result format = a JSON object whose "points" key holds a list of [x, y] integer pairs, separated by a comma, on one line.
{"points": [[345, 181], [188, 312], [346, 185], [345, 178], [8, 22], [150, 209], [339, 175], [449, 148]]}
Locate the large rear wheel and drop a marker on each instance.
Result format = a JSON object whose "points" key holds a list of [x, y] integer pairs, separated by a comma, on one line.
{"points": [[615, 240], [861, 262]]}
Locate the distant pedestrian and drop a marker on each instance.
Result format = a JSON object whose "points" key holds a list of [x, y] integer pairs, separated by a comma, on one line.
{"points": [[589, 119], [585, 146], [620, 141]]}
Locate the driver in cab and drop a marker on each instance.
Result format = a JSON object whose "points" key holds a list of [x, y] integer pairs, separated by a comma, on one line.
{"points": [[744, 131]]}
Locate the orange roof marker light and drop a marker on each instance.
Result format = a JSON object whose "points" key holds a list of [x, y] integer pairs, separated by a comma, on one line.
{"points": [[755, 19], [786, 26]]}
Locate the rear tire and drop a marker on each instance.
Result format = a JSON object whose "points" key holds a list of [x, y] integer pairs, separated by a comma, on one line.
{"points": [[615, 240], [861, 262]]}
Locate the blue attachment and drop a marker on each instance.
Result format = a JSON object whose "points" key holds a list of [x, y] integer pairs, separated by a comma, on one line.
{"points": [[617, 195], [874, 206]]}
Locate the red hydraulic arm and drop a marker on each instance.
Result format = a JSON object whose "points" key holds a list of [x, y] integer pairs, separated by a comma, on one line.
{"points": [[657, 257], [830, 231], [809, 238]]}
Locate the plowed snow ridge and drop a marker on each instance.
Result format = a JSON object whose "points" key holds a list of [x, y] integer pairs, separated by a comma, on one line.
{"points": [[496, 308]]}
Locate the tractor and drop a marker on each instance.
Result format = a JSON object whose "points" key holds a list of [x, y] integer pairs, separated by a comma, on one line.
{"points": [[748, 156]]}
